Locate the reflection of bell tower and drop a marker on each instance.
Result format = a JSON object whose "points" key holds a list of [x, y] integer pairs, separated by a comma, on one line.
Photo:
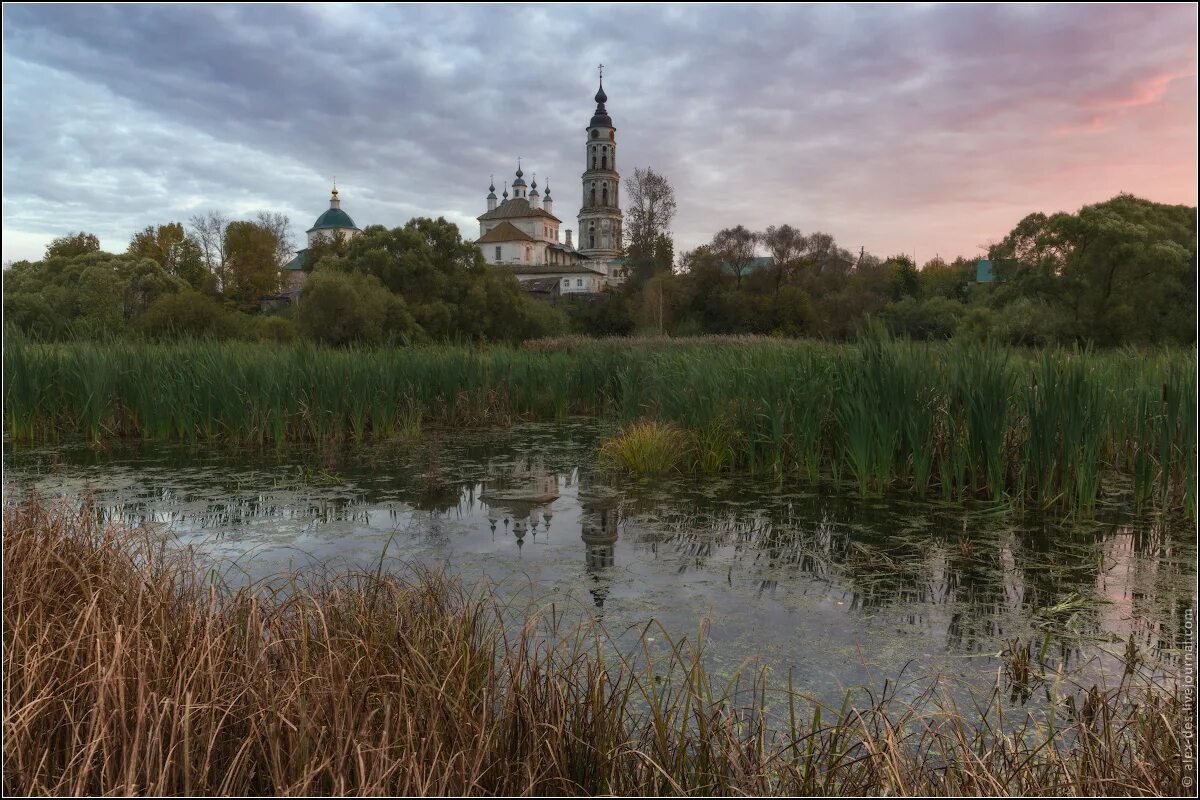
{"points": [[599, 524]]}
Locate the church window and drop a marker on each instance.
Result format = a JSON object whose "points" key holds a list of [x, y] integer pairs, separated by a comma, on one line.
{"points": [[593, 195], [593, 160], [604, 161], [606, 194], [595, 134]]}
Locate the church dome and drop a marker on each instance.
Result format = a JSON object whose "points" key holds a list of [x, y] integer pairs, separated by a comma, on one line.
{"points": [[601, 117], [333, 218]]}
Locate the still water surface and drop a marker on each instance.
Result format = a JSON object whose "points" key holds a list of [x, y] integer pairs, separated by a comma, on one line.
{"points": [[839, 590]]}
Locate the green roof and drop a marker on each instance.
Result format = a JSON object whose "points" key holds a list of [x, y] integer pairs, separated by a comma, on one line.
{"points": [[299, 261], [333, 218]]}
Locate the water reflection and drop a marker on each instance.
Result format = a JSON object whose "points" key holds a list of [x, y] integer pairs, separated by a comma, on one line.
{"points": [[807, 577]]}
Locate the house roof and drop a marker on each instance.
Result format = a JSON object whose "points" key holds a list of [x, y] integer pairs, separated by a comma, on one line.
{"points": [[504, 232], [299, 260], [550, 269], [516, 208], [547, 285]]}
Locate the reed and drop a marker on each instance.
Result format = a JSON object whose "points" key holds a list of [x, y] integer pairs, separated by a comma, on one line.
{"points": [[125, 673], [1054, 428]]}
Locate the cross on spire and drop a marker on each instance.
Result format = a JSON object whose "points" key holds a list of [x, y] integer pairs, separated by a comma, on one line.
{"points": [[601, 72]]}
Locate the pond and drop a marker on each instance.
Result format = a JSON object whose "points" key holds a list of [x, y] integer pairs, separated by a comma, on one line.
{"points": [[837, 589]]}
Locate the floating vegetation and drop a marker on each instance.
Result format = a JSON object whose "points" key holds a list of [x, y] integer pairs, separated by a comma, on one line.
{"points": [[1046, 429]]}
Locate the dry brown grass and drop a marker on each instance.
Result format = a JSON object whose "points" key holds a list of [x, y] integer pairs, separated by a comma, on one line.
{"points": [[126, 674]]}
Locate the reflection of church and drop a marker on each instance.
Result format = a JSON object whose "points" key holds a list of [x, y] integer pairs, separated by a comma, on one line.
{"points": [[521, 500], [598, 521]]}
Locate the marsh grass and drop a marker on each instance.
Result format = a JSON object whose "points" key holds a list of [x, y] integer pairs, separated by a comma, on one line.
{"points": [[1047, 428], [125, 673], [647, 447]]}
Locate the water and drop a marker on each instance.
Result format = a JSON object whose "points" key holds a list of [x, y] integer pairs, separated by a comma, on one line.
{"points": [[838, 590]]}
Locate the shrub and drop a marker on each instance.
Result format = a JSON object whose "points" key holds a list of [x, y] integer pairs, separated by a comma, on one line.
{"points": [[188, 313], [935, 318], [278, 329], [341, 308]]}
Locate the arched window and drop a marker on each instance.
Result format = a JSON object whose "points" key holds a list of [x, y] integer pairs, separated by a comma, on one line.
{"points": [[592, 235], [593, 160], [593, 195], [605, 194], [604, 161]]}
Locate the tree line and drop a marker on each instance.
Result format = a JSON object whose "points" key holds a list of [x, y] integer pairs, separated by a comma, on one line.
{"points": [[1114, 273]]}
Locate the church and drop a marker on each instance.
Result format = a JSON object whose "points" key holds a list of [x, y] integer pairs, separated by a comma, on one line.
{"points": [[520, 234]]}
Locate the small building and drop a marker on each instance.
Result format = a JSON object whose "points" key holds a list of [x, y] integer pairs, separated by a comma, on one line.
{"points": [[580, 278]]}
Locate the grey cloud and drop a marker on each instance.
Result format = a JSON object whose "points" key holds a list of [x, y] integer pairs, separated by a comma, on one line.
{"points": [[891, 127]]}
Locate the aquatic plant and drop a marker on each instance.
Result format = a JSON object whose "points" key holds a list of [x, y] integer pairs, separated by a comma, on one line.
{"points": [[647, 447], [1052, 428], [125, 672]]}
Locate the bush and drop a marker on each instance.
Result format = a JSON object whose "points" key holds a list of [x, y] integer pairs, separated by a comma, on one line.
{"points": [[341, 308], [278, 329], [1030, 323], [190, 314], [935, 318]]}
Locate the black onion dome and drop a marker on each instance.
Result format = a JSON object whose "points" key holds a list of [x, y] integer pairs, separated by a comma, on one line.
{"points": [[601, 117]]}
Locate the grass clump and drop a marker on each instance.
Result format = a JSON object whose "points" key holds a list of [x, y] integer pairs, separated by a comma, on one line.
{"points": [[647, 447], [124, 673]]}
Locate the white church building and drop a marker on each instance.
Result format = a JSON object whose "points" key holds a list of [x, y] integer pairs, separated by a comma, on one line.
{"points": [[521, 233]]}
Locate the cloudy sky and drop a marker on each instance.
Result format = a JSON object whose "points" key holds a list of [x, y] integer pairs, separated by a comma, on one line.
{"points": [[926, 129]]}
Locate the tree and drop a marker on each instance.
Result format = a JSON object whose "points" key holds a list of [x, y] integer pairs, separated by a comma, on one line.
{"points": [[251, 262], [448, 288], [902, 278], [208, 229], [786, 245], [279, 225], [73, 244], [939, 279], [90, 294], [1116, 272], [342, 308], [174, 251], [649, 209], [736, 248]]}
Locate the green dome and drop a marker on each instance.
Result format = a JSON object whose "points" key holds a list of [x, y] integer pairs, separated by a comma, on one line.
{"points": [[334, 218]]}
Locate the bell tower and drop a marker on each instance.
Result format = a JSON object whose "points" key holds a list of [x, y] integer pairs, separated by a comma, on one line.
{"points": [[600, 213]]}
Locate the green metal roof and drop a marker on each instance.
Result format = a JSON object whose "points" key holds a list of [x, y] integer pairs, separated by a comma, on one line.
{"points": [[333, 218], [299, 260]]}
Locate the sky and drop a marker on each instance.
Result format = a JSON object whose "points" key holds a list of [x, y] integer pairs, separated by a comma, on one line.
{"points": [[918, 129]]}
